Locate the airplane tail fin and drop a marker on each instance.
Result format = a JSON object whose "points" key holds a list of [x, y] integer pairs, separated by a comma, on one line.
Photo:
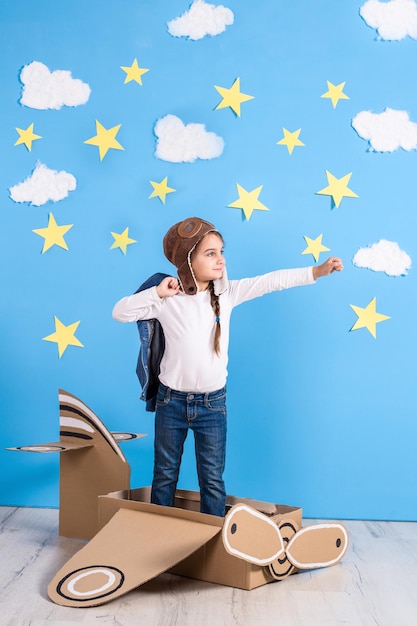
{"points": [[93, 465]]}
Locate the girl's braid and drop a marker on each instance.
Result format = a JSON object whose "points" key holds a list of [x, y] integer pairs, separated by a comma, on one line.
{"points": [[215, 305]]}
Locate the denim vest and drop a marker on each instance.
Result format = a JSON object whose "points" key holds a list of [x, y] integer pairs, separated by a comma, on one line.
{"points": [[152, 346]]}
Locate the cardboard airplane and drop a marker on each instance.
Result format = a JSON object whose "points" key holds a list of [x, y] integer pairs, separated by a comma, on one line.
{"points": [[133, 541]]}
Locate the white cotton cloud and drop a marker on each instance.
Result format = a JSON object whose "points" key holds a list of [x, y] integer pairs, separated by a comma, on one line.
{"points": [[43, 185], [386, 131], [384, 256], [392, 20], [184, 143], [43, 89], [200, 20]]}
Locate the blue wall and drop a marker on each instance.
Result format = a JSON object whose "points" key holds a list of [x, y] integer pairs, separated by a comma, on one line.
{"points": [[319, 416]]}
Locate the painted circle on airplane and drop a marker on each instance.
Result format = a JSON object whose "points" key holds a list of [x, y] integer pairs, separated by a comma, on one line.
{"points": [[90, 583]]}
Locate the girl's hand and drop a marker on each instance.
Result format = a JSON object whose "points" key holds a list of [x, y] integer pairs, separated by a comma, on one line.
{"points": [[333, 264], [169, 286]]}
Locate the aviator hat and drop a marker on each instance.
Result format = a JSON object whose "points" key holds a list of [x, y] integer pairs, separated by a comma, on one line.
{"points": [[179, 242]]}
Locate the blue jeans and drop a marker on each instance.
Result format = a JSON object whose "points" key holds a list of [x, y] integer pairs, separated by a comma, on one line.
{"points": [[205, 414]]}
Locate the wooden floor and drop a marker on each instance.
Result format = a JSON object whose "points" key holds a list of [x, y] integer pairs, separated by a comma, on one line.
{"points": [[375, 584]]}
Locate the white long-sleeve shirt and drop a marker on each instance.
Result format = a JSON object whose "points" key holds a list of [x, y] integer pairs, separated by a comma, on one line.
{"points": [[189, 362]]}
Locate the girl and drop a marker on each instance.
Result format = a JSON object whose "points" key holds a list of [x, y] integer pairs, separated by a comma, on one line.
{"points": [[194, 312]]}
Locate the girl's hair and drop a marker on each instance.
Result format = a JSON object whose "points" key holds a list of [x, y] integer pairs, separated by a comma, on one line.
{"points": [[215, 303]]}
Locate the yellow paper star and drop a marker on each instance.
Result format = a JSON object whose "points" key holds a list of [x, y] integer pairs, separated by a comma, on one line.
{"points": [[248, 201], [160, 190], [53, 234], [368, 317], [338, 188], [314, 247], [105, 139], [232, 97], [335, 93], [64, 336], [27, 136], [291, 139], [122, 240], [134, 72]]}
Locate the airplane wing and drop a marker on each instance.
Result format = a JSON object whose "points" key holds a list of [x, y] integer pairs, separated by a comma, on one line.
{"points": [[66, 446], [131, 549], [53, 446], [118, 436]]}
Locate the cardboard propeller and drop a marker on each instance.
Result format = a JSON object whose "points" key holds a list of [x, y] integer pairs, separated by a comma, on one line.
{"points": [[250, 535]]}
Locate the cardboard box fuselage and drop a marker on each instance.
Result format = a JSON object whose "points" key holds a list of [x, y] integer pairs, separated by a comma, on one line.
{"points": [[210, 562]]}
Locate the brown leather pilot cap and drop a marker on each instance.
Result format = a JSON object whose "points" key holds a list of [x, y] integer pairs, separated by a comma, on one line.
{"points": [[179, 242]]}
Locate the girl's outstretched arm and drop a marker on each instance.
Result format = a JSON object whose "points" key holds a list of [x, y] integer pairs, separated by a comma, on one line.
{"points": [[333, 264]]}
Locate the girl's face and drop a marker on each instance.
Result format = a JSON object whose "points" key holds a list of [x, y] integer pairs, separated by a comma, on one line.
{"points": [[207, 260]]}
